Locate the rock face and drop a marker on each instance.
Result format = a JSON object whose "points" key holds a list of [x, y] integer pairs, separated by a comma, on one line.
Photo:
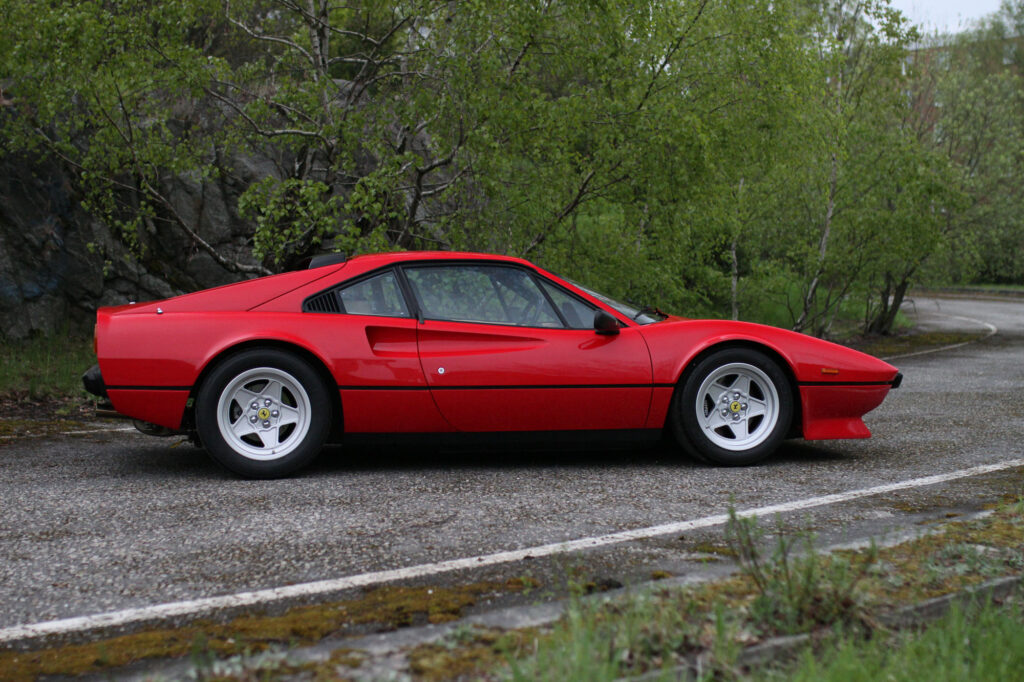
{"points": [[58, 263]]}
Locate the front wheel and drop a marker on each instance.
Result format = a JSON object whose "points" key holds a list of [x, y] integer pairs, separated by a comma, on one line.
{"points": [[263, 413], [733, 408]]}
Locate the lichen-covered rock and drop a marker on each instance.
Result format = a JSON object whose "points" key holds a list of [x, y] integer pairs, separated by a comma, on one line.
{"points": [[58, 263]]}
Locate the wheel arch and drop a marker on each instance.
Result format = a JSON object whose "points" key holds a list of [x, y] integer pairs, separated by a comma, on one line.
{"points": [[796, 427], [314, 361]]}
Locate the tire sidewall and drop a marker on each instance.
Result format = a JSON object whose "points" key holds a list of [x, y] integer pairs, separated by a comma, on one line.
{"points": [[689, 433], [208, 397]]}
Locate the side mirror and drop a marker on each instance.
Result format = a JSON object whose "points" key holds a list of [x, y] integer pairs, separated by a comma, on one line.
{"points": [[605, 323]]}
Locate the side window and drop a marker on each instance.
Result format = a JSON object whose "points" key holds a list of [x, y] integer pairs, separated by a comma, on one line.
{"points": [[378, 295], [481, 293], [577, 314]]}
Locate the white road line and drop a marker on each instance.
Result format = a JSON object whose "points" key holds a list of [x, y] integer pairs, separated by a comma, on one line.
{"points": [[206, 605], [992, 329], [113, 429]]}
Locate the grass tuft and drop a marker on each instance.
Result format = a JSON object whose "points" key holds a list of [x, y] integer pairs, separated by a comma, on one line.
{"points": [[44, 368], [983, 643]]}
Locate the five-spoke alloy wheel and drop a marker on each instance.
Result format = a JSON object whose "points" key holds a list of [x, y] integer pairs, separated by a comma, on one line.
{"points": [[734, 407], [263, 413]]}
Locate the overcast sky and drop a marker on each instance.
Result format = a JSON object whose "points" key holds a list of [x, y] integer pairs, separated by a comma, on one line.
{"points": [[945, 15]]}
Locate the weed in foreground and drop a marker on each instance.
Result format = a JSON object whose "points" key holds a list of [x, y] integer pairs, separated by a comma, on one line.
{"points": [[981, 644], [797, 588], [647, 632], [246, 667], [783, 587]]}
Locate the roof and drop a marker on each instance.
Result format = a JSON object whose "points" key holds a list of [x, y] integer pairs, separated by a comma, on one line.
{"points": [[404, 256]]}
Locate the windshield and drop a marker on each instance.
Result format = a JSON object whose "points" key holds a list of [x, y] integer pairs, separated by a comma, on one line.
{"points": [[639, 315]]}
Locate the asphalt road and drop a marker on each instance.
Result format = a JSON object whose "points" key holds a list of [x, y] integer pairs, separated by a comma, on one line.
{"points": [[104, 521]]}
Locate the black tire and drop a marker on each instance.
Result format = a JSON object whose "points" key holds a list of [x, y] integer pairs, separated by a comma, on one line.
{"points": [[714, 385], [290, 416]]}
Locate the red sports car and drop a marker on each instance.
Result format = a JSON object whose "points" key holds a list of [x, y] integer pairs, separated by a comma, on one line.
{"points": [[263, 372]]}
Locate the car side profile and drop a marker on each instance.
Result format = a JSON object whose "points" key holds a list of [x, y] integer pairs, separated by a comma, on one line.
{"points": [[263, 372]]}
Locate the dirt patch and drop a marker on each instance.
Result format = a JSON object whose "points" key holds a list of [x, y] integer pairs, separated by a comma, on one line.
{"points": [[911, 342], [14, 407], [982, 292], [27, 428], [23, 417]]}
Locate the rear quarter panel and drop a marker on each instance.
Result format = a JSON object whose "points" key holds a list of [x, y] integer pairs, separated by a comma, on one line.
{"points": [[149, 361]]}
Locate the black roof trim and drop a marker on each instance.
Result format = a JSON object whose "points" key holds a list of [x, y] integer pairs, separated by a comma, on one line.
{"points": [[327, 259]]}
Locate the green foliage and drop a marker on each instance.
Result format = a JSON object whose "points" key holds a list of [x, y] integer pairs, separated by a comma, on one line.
{"points": [[291, 216], [766, 159], [972, 113]]}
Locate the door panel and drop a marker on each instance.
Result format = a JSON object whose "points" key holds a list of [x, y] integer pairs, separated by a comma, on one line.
{"points": [[377, 366], [501, 378]]}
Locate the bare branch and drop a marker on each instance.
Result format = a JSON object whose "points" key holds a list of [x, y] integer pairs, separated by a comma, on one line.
{"points": [[230, 266], [519, 58], [55, 149], [577, 199], [268, 38], [265, 132], [441, 187], [145, 187], [376, 42], [670, 54]]}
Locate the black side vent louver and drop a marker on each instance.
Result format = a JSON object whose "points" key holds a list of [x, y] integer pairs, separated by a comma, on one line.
{"points": [[326, 302]]}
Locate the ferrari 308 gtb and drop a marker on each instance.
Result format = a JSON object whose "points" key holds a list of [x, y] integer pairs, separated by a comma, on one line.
{"points": [[261, 373]]}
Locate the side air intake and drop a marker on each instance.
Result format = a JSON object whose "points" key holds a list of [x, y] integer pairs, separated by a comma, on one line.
{"points": [[326, 302]]}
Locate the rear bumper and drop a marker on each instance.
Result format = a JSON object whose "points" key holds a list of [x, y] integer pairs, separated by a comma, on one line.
{"points": [[160, 406], [163, 406], [93, 382]]}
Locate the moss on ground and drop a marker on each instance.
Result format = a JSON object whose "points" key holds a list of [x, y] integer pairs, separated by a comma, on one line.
{"points": [[384, 608], [713, 550], [467, 652], [26, 428]]}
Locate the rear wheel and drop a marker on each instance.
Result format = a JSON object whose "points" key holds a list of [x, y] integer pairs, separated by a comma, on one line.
{"points": [[263, 413], [733, 408]]}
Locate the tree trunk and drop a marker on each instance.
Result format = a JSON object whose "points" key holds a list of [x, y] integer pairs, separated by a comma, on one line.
{"points": [[830, 207], [735, 259], [891, 299], [735, 279]]}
